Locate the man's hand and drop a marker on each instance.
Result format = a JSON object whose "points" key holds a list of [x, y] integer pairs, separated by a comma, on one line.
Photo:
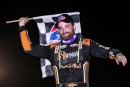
{"points": [[121, 58], [23, 21]]}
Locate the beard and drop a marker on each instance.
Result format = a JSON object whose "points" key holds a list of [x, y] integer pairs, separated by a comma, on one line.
{"points": [[66, 36]]}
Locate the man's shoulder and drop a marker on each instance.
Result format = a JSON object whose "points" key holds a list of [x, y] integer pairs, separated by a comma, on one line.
{"points": [[54, 44], [86, 41]]}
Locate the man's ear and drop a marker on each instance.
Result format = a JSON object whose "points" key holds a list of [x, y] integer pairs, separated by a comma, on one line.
{"points": [[74, 26]]}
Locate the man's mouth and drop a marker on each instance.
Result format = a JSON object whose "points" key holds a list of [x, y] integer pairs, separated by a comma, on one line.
{"points": [[66, 34]]}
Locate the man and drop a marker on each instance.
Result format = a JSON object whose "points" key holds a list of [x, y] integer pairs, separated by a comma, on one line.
{"points": [[70, 57]]}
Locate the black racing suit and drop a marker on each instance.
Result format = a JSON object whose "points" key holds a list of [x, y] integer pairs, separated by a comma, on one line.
{"points": [[70, 63]]}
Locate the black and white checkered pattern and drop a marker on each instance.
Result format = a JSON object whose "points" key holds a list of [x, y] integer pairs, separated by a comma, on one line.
{"points": [[45, 24]]}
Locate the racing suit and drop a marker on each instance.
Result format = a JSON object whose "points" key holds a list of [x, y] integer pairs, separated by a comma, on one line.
{"points": [[70, 62]]}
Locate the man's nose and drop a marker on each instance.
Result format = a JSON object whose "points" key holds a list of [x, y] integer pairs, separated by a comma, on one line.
{"points": [[64, 30]]}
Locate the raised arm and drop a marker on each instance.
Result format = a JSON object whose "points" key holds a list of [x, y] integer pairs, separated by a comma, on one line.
{"points": [[36, 50]]}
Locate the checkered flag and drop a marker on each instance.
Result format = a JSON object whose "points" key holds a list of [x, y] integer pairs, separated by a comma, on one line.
{"points": [[49, 34]]}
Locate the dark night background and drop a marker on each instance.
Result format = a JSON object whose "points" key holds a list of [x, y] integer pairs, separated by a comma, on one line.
{"points": [[103, 21]]}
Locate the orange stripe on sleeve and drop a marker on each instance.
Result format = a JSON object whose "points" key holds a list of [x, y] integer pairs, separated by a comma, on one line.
{"points": [[25, 40]]}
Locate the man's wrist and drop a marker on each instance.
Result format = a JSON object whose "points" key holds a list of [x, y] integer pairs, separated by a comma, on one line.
{"points": [[21, 28], [113, 52], [21, 25]]}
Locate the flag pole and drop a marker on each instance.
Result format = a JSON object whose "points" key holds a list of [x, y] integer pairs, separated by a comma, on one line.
{"points": [[45, 16], [16, 20]]}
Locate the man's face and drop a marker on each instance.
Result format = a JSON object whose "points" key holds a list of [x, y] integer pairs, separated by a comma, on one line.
{"points": [[66, 30]]}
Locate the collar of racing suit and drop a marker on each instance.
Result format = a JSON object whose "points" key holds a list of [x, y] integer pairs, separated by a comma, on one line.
{"points": [[70, 40]]}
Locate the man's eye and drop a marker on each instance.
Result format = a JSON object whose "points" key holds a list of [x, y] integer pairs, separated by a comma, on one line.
{"points": [[59, 28], [67, 26]]}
